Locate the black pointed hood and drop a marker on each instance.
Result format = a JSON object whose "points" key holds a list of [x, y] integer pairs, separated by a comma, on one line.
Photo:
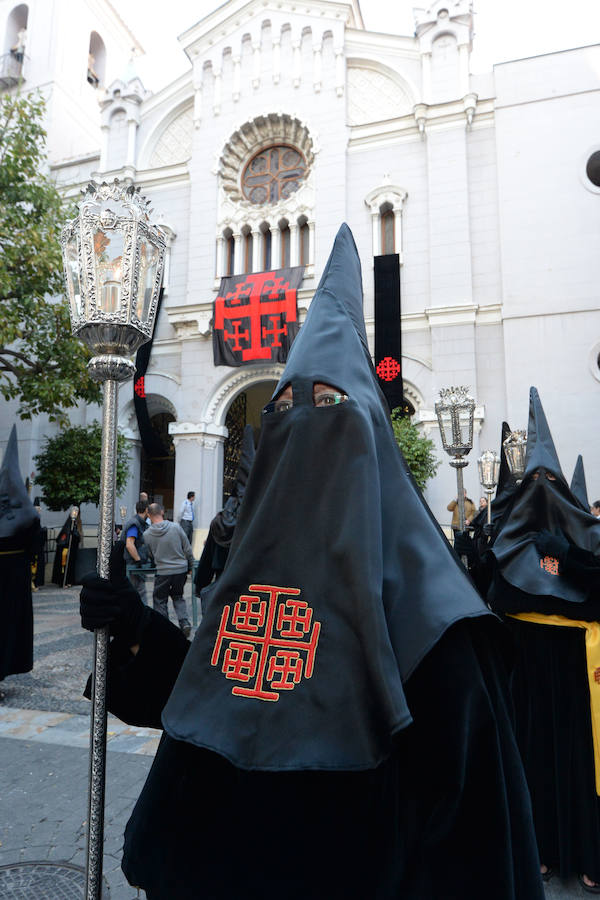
{"points": [[339, 580], [578, 485], [543, 502], [18, 517], [506, 479], [541, 452]]}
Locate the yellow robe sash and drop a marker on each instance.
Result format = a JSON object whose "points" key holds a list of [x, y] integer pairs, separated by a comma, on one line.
{"points": [[592, 654]]}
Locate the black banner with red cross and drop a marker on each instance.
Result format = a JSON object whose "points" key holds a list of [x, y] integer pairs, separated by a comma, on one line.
{"points": [[388, 332], [256, 317], [151, 440]]}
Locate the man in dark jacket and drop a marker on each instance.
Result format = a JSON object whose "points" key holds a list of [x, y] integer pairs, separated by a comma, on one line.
{"points": [[340, 726], [135, 550]]}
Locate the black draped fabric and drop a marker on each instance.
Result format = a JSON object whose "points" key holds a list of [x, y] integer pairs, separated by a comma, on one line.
{"points": [[19, 526], [339, 727], [543, 504], [38, 557], [65, 556], [448, 807], [327, 602], [578, 483], [550, 682]]}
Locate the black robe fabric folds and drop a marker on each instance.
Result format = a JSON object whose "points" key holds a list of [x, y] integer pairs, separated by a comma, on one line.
{"points": [[19, 527], [550, 685], [339, 726]]}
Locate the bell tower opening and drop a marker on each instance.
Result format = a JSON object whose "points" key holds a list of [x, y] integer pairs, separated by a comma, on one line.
{"points": [[245, 409]]}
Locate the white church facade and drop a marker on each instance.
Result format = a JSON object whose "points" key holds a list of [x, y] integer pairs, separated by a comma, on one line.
{"points": [[487, 186]]}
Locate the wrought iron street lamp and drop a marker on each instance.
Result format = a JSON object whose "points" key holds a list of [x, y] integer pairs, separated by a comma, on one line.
{"points": [[489, 473], [455, 411], [515, 448], [113, 259]]}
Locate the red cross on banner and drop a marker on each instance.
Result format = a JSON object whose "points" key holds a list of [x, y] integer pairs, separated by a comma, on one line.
{"points": [[256, 317], [270, 639]]}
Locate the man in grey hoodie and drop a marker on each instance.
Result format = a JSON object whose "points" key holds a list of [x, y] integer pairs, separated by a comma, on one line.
{"points": [[174, 560]]}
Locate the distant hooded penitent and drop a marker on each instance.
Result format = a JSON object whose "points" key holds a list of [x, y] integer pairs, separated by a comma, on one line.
{"points": [[543, 502], [19, 524]]}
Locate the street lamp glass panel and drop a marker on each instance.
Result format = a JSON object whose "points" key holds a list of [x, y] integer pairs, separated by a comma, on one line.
{"points": [[147, 276], [73, 281], [108, 253], [515, 448]]}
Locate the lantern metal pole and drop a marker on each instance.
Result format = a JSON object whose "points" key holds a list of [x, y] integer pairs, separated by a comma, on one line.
{"points": [[101, 369], [113, 257], [459, 463]]}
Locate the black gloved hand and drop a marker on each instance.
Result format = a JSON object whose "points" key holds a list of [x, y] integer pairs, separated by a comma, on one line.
{"points": [[488, 529], [113, 603], [463, 544], [548, 544]]}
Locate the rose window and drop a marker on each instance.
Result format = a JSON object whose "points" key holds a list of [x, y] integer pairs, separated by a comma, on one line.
{"points": [[273, 174]]}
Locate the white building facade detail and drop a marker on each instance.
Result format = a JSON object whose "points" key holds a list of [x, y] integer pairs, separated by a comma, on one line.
{"points": [[479, 182]]}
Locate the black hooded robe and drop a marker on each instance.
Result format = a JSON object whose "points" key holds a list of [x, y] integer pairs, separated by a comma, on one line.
{"points": [[19, 526], [550, 686], [67, 540], [339, 726]]}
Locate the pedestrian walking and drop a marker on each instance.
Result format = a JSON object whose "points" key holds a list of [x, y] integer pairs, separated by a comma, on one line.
{"points": [[186, 515], [135, 550], [174, 561]]}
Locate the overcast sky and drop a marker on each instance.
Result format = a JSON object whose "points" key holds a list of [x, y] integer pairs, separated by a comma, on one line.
{"points": [[504, 29]]}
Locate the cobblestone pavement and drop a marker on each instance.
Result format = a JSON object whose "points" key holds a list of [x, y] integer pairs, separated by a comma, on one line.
{"points": [[44, 722]]}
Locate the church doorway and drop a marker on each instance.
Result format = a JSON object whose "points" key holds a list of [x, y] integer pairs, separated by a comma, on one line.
{"points": [[245, 409], [157, 475]]}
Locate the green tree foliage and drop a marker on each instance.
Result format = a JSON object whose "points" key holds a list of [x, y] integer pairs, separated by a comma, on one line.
{"points": [[68, 468], [41, 364], [417, 450]]}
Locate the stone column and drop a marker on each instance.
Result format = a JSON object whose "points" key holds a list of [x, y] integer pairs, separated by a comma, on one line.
{"points": [[311, 243], [256, 64], [237, 77], [275, 247], [238, 262], [294, 248], [199, 468], [131, 136], [317, 65], [256, 265], [217, 92], [276, 58], [297, 62]]}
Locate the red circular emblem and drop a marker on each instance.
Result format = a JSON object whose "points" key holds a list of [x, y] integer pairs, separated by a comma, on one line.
{"points": [[388, 368]]}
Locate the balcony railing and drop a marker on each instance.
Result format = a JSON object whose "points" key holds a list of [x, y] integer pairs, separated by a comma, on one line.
{"points": [[11, 69]]}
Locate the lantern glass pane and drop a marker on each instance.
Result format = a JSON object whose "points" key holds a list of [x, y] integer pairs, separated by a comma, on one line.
{"points": [[465, 422], [108, 253], [147, 274], [445, 420], [73, 281]]}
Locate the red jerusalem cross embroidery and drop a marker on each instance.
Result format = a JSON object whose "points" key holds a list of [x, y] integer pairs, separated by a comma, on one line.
{"points": [[549, 564], [255, 298], [388, 368], [272, 640]]}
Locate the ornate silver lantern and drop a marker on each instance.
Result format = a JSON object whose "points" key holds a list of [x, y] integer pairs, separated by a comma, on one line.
{"points": [[455, 411], [489, 473], [515, 449], [113, 259]]}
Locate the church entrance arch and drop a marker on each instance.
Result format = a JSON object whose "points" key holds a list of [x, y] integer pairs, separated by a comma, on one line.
{"points": [[157, 473], [245, 409]]}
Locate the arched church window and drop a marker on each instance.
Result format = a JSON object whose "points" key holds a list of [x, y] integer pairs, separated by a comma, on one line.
{"points": [[285, 243], [96, 64], [229, 253], [266, 247], [304, 237], [273, 174], [388, 230], [248, 248], [15, 46]]}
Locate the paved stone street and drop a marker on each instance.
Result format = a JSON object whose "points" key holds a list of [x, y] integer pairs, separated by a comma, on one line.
{"points": [[44, 726]]}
